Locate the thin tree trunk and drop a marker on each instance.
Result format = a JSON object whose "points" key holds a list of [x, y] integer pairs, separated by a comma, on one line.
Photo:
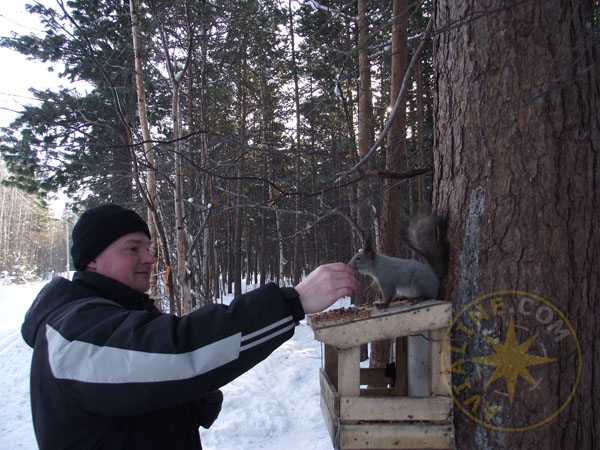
{"points": [[262, 251], [237, 238], [151, 197], [365, 116], [424, 181], [396, 148], [209, 274], [175, 78], [180, 228], [365, 137], [297, 269], [282, 261]]}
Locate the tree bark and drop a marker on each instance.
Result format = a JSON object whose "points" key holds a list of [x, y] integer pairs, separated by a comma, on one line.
{"points": [[151, 196], [396, 143], [396, 149], [297, 267], [365, 141], [365, 113], [239, 212], [209, 273], [176, 77], [517, 145]]}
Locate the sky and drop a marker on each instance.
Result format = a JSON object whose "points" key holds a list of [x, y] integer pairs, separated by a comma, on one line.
{"points": [[18, 74]]}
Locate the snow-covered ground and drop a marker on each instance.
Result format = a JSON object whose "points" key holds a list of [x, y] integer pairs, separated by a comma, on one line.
{"points": [[274, 406]]}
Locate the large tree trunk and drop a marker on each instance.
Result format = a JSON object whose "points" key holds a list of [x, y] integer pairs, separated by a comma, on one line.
{"points": [[517, 144]]}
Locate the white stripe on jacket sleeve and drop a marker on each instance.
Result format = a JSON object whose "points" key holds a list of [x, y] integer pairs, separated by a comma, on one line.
{"points": [[82, 361], [273, 330], [90, 363]]}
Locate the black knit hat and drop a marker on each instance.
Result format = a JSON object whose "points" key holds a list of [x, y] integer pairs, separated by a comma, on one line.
{"points": [[99, 227]]}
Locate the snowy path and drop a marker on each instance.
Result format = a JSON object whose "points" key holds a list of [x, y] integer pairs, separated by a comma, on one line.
{"points": [[275, 406], [16, 431], [8, 338]]}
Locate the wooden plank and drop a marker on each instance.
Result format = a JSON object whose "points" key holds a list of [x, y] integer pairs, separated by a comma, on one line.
{"points": [[386, 325], [331, 363], [331, 424], [341, 316], [349, 372], [395, 409], [329, 395], [396, 436], [401, 358], [437, 382], [377, 392], [330, 407]]}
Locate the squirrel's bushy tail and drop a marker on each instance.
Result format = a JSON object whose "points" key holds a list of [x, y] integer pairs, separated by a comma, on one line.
{"points": [[426, 235]]}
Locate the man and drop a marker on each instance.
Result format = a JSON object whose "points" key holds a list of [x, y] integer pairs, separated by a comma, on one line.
{"points": [[109, 371]]}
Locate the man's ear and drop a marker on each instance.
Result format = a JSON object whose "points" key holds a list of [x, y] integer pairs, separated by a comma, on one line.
{"points": [[91, 266]]}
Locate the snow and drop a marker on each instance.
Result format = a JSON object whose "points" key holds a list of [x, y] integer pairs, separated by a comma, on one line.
{"points": [[274, 406]]}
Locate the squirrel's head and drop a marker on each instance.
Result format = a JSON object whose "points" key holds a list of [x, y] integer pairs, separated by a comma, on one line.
{"points": [[363, 259]]}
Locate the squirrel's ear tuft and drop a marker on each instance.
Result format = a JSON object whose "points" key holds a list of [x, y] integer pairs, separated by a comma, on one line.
{"points": [[368, 248]]}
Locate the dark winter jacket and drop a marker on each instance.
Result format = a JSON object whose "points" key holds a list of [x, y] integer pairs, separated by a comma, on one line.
{"points": [[111, 372]]}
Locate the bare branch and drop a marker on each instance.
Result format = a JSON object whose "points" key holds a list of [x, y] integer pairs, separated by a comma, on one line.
{"points": [[399, 101]]}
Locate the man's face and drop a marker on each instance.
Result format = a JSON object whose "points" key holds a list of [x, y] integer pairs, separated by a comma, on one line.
{"points": [[127, 260]]}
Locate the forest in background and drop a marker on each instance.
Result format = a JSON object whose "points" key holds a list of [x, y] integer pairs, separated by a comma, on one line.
{"points": [[235, 137], [32, 241]]}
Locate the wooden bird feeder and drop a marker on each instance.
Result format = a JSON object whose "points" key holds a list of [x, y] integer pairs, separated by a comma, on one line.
{"points": [[369, 408]]}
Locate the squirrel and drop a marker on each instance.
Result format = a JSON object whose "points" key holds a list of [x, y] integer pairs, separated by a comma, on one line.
{"points": [[413, 278]]}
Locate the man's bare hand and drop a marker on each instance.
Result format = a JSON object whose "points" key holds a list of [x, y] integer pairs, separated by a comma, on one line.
{"points": [[325, 285]]}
